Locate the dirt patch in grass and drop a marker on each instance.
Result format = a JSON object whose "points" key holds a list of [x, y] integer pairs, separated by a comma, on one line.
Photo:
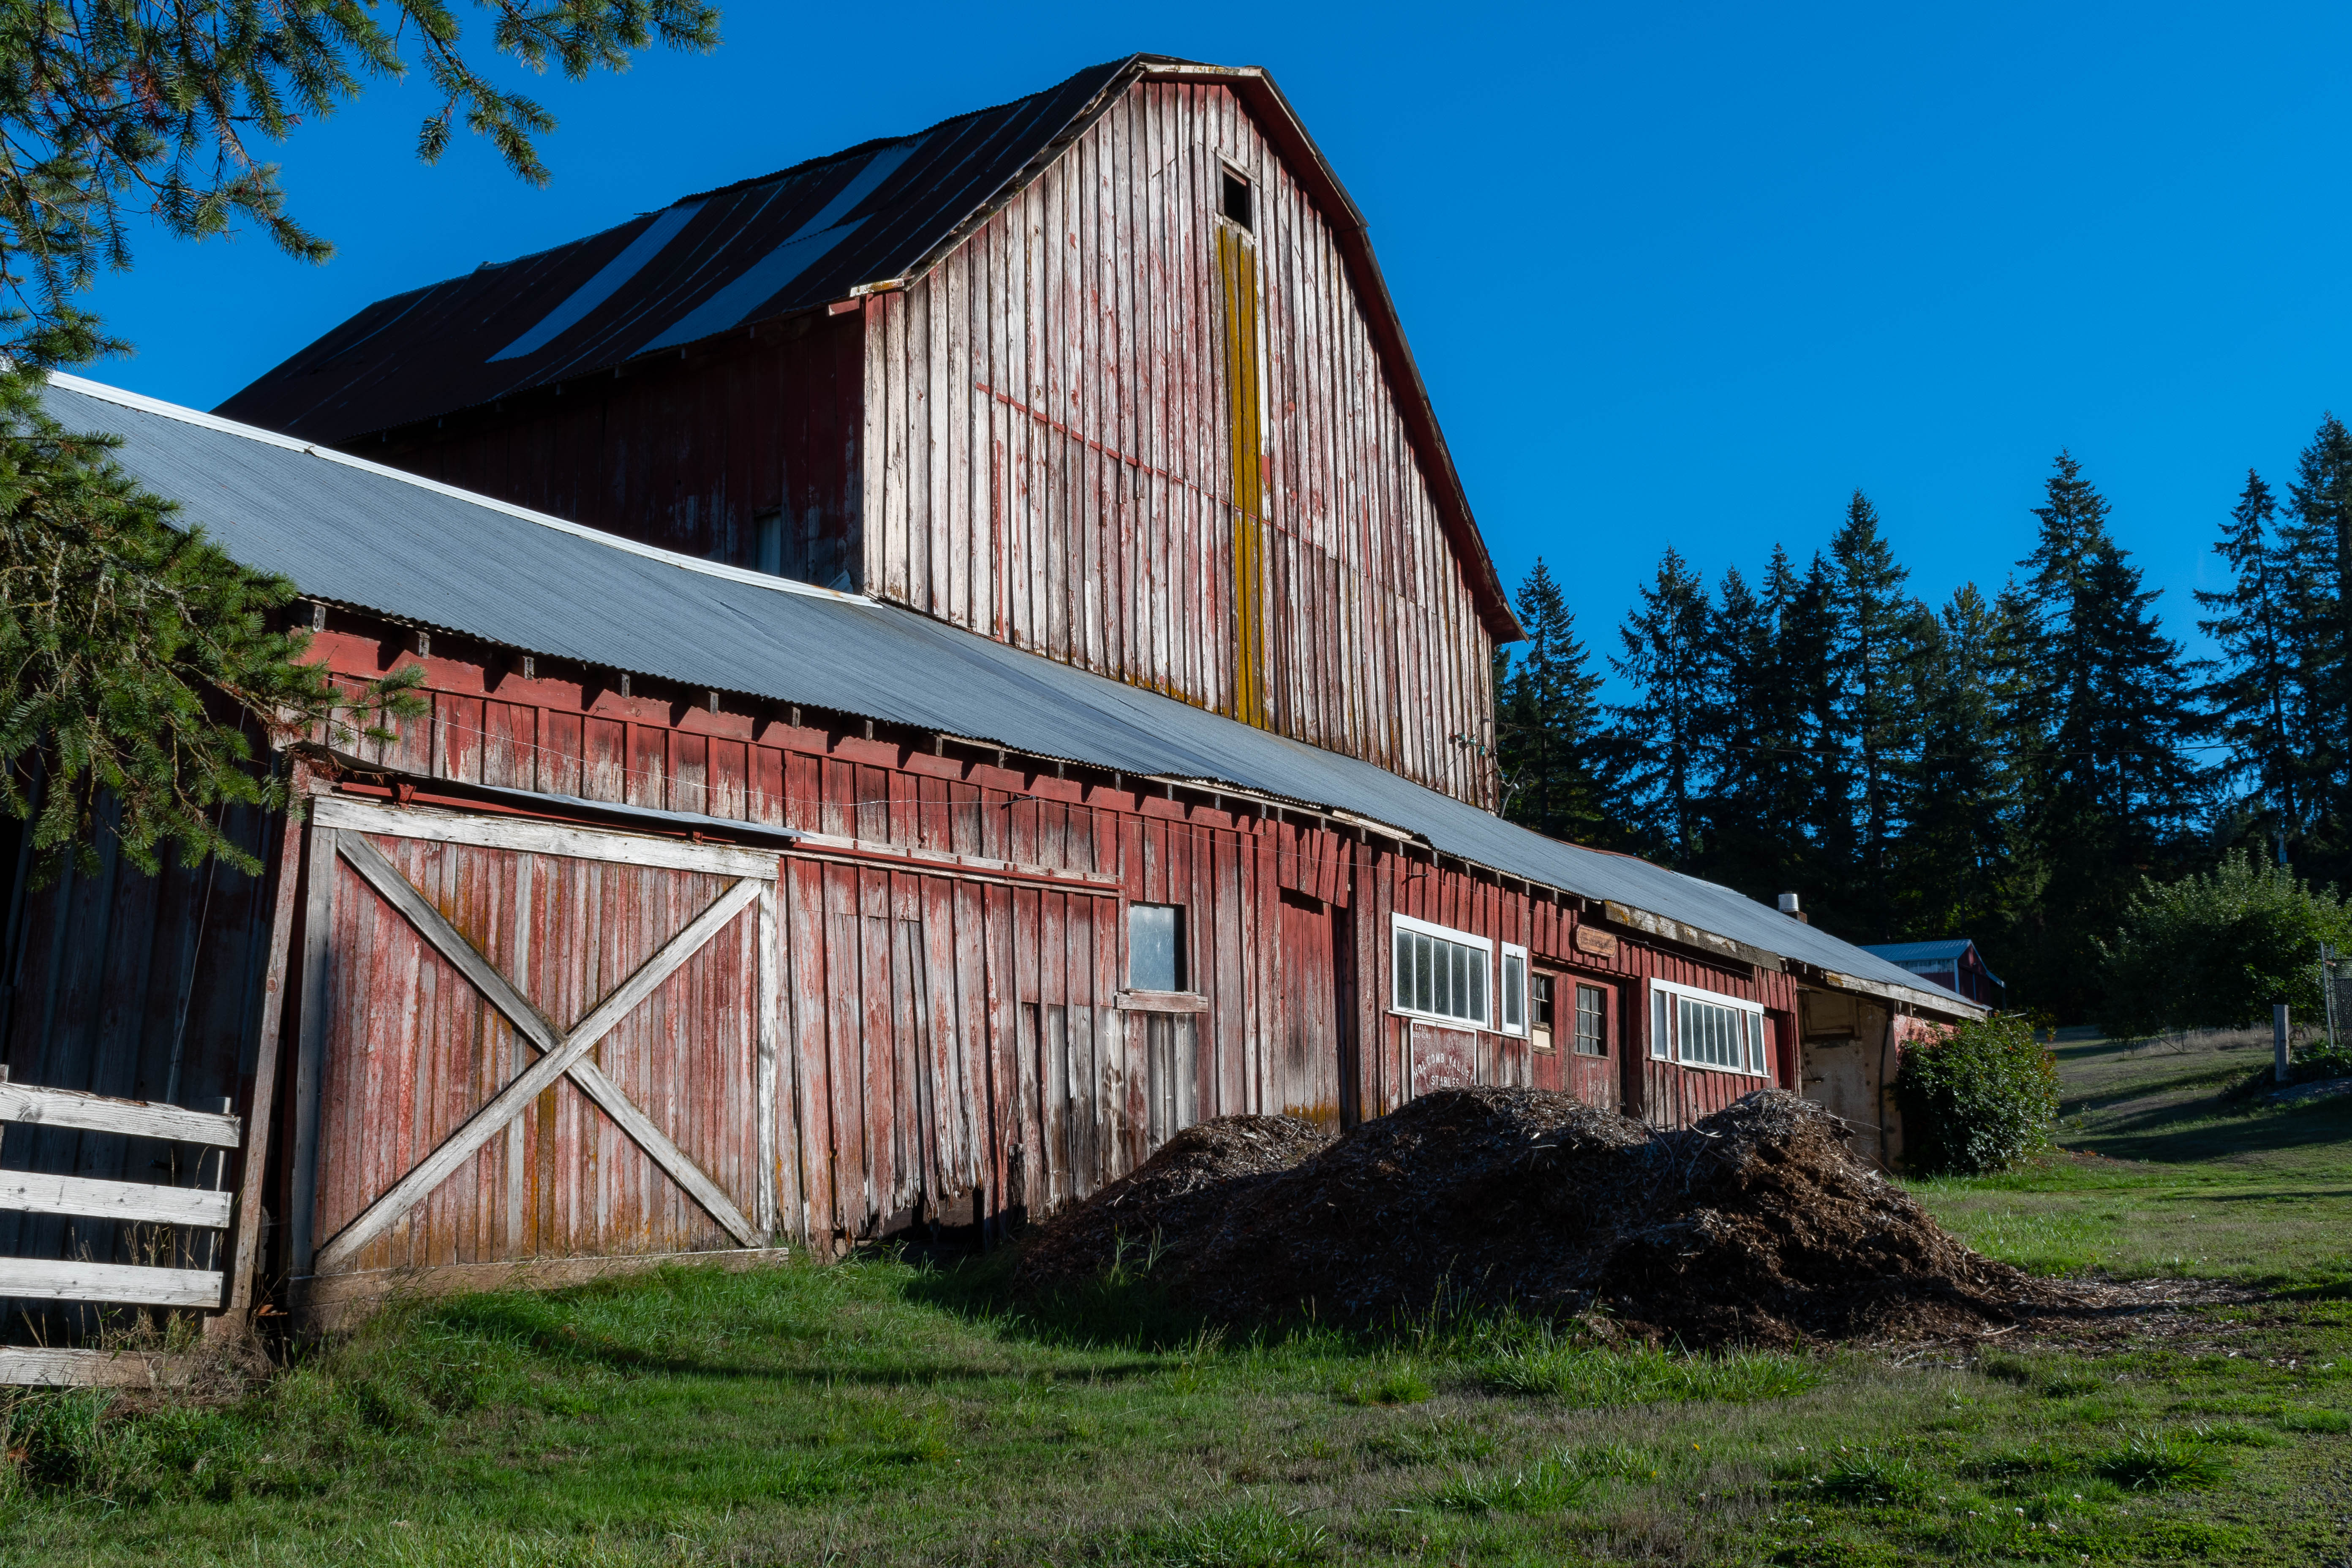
{"points": [[1755, 1226]]}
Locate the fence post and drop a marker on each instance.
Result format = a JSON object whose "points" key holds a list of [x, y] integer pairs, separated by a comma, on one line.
{"points": [[2278, 1042]]}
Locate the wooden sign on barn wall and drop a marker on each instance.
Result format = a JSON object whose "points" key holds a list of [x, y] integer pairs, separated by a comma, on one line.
{"points": [[522, 1040]]}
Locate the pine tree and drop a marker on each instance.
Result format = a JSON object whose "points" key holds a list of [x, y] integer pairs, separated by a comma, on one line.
{"points": [[2109, 711], [1820, 804], [2315, 559], [1549, 729], [1659, 735], [1953, 870], [1871, 715], [2254, 697], [1741, 741]]}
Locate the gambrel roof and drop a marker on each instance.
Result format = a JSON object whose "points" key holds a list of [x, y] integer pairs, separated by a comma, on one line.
{"points": [[872, 218]]}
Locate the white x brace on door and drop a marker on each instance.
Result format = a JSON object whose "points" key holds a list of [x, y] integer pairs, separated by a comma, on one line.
{"points": [[454, 1124]]}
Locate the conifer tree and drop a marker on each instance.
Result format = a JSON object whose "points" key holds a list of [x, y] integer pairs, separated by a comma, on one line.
{"points": [[2108, 712], [2316, 562], [1661, 732], [1953, 871], [1551, 720], [1821, 796], [2253, 695], [1871, 714], [1740, 742]]}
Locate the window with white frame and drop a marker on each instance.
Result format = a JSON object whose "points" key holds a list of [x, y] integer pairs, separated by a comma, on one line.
{"points": [[1514, 990], [1706, 1029], [1441, 973]]}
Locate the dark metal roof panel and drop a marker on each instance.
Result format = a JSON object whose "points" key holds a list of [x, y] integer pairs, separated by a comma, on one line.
{"points": [[355, 533], [706, 264], [1920, 956], [1920, 951]]}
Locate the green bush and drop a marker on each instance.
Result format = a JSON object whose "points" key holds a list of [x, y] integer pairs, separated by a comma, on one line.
{"points": [[1978, 1098], [2217, 951]]}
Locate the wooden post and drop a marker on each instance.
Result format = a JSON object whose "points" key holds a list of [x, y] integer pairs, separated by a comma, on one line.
{"points": [[253, 1158], [2279, 1065]]}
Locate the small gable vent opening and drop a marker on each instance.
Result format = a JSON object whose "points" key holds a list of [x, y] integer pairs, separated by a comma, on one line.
{"points": [[1237, 199]]}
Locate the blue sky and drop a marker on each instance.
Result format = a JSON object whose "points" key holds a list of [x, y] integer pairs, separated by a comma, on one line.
{"points": [[1673, 272]]}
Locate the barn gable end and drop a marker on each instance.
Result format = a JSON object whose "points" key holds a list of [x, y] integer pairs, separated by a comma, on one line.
{"points": [[1141, 422]]}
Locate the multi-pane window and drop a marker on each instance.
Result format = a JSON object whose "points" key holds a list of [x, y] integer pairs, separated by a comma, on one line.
{"points": [[1591, 1021], [1155, 947], [1706, 1029], [1514, 990], [1707, 1035], [1441, 973]]}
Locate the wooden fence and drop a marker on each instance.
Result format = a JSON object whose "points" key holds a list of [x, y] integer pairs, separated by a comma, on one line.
{"points": [[206, 1208]]}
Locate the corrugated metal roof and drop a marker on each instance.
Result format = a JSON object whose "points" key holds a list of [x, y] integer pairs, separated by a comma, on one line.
{"points": [[1920, 951], [355, 533]]}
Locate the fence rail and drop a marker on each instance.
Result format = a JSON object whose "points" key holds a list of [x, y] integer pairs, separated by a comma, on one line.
{"points": [[200, 1207]]}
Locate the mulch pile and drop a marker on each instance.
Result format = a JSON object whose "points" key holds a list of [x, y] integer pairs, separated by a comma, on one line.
{"points": [[1755, 1226]]}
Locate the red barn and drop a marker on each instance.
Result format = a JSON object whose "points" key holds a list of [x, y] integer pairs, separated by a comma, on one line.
{"points": [[947, 664]]}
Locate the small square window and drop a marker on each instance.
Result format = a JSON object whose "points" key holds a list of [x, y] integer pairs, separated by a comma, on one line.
{"points": [[1155, 947], [1238, 204]]}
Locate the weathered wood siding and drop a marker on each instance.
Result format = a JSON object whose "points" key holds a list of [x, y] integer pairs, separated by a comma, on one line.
{"points": [[686, 451], [409, 1051], [955, 1040], [1119, 431]]}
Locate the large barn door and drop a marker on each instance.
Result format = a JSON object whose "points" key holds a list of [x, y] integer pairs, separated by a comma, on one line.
{"points": [[522, 1041]]}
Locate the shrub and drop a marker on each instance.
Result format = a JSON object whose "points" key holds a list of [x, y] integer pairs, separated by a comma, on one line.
{"points": [[1978, 1098], [2216, 951]]}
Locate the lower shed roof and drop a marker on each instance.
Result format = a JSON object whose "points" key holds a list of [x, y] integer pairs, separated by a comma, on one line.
{"points": [[351, 532]]}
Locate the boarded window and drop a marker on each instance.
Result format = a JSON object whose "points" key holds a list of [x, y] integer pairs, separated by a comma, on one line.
{"points": [[1591, 1021], [1155, 947]]}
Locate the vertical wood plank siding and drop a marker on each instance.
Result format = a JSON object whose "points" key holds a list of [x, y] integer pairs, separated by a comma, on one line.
{"points": [[1117, 430], [412, 1050], [955, 1047], [685, 454], [953, 1040]]}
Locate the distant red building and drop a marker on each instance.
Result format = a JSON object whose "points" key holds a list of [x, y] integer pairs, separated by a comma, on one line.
{"points": [[1953, 963]]}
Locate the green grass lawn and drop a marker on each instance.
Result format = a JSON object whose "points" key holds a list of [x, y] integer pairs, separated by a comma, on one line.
{"points": [[878, 1411], [2168, 1172]]}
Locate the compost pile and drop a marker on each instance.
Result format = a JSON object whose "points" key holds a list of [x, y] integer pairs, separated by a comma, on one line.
{"points": [[1755, 1226]]}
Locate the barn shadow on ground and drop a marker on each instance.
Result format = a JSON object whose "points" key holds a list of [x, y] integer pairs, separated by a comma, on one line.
{"points": [[1123, 1312]]}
